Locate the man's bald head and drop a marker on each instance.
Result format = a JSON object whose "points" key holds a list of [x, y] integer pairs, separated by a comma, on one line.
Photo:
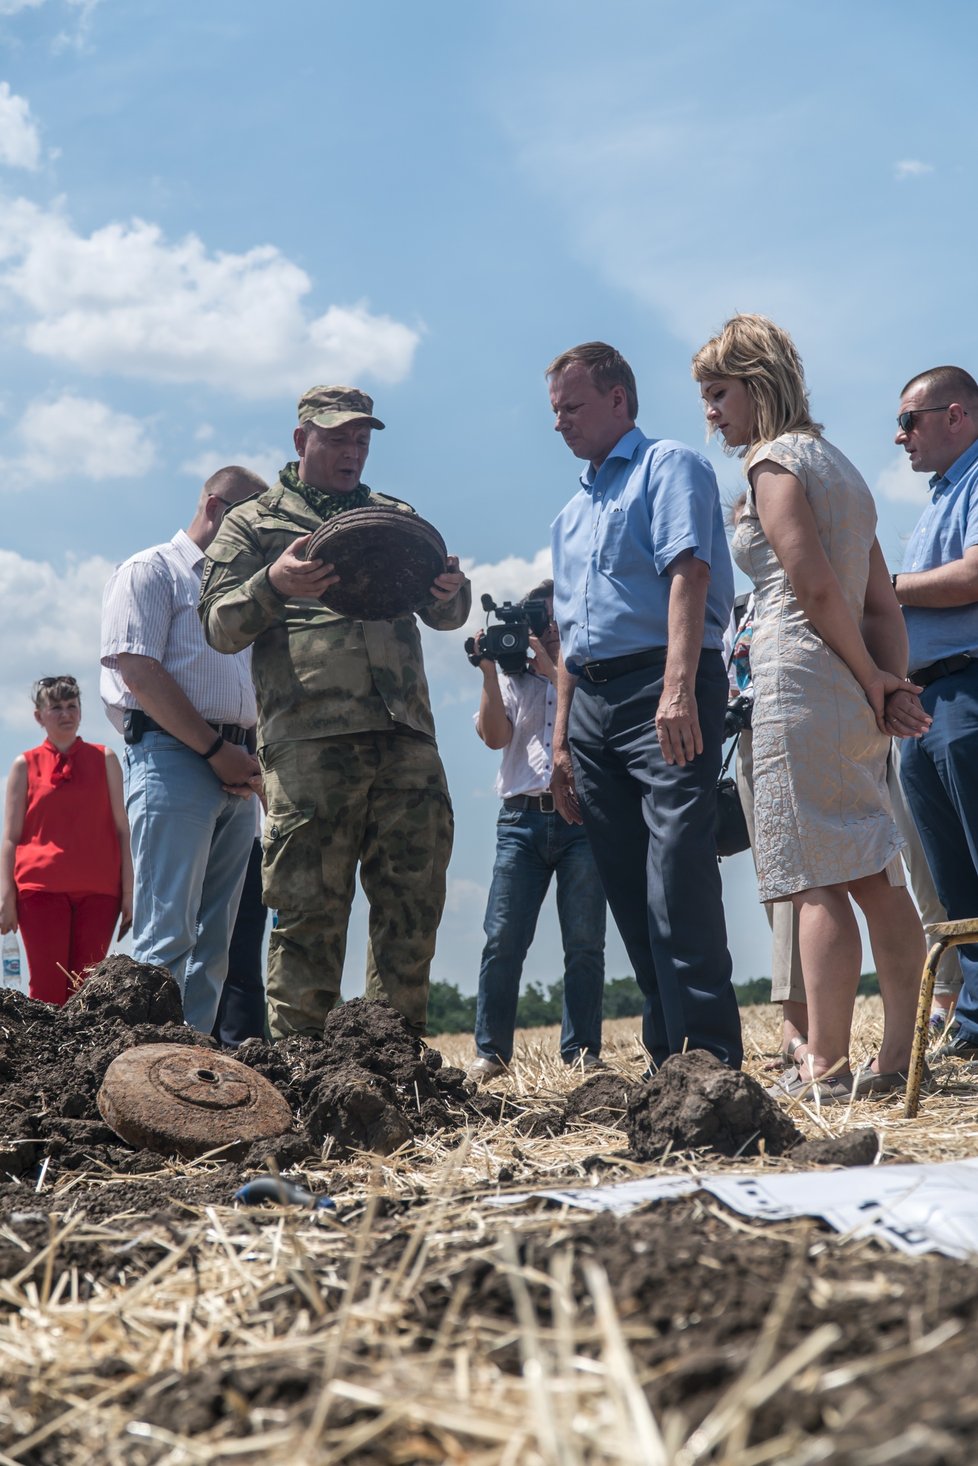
{"points": [[231, 485], [947, 384]]}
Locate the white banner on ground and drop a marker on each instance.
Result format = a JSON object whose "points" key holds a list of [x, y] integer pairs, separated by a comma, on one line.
{"points": [[917, 1209]]}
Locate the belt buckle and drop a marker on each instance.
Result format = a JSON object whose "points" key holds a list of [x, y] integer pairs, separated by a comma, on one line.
{"points": [[547, 805], [591, 676]]}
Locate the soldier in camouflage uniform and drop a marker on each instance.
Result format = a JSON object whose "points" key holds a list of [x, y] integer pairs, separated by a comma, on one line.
{"points": [[345, 733]]}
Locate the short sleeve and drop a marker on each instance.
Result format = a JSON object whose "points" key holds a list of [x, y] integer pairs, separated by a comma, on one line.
{"points": [[684, 499], [137, 612], [788, 451]]}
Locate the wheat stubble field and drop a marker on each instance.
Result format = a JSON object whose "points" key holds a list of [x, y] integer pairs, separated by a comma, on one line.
{"points": [[146, 1318]]}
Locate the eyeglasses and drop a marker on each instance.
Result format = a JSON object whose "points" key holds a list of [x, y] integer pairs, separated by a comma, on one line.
{"points": [[905, 419], [43, 684]]}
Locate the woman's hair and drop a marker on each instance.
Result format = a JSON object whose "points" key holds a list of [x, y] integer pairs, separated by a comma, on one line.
{"points": [[755, 351], [53, 689]]}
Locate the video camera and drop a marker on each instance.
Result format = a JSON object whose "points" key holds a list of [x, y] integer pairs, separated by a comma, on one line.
{"points": [[508, 643]]}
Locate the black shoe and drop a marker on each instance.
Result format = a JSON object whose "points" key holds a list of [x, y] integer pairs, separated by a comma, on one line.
{"points": [[958, 1045]]}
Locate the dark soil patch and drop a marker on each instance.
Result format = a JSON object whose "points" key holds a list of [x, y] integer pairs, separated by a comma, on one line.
{"points": [[694, 1102], [694, 1295], [368, 1083], [854, 1148], [695, 1298], [600, 1100]]}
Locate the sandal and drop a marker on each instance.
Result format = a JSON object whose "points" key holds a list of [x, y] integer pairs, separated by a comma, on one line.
{"points": [[786, 1058], [869, 1082], [828, 1089]]}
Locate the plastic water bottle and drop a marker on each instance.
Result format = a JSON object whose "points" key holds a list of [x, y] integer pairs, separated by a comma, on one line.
{"points": [[10, 952]]}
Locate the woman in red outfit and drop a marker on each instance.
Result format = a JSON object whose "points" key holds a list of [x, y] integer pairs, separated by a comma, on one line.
{"points": [[65, 864]]}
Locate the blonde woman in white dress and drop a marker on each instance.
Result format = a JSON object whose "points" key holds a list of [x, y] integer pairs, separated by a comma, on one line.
{"points": [[828, 657]]}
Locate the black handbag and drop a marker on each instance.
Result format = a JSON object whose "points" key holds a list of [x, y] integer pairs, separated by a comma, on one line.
{"points": [[732, 836]]}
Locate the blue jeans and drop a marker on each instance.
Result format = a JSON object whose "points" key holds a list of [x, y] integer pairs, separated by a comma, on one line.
{"points": [[530, 847], [652, 828], [190, 848], [939, 774]]}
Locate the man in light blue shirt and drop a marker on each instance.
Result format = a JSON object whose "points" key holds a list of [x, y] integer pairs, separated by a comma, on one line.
{"points": [[643, 594], [938, 589]]}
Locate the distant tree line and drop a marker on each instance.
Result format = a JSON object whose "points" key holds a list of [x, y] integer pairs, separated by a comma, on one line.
{"points": [[450, 1011]]}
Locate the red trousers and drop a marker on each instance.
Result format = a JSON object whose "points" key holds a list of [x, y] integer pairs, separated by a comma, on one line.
{"points": [[63, 934]]}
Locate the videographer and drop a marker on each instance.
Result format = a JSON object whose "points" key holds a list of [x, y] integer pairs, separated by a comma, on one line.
{"points": [[516, 714]]}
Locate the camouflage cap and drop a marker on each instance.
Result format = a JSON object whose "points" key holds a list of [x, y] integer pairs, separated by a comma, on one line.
{"points": [[330, 407]]}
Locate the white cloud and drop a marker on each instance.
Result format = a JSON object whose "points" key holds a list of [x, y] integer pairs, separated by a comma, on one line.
{"points": [[911, 168], [20, 145], [51, 619], [13, 7], [82, 436], [266, 462], [899, 483], [79, 39], [465, 896], [126, 300]]}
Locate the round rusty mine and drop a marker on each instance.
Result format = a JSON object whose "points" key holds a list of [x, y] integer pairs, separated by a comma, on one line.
{"points": [[187, 1101], [387, 561]]}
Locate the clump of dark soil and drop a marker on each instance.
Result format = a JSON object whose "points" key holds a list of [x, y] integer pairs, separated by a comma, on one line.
{"points": [[695, 1102], [853, 1148], [369, 1083], [601, 1100]]}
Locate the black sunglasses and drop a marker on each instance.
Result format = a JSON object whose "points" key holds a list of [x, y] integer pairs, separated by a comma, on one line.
{"points": [[905, 419], [50, 681]]}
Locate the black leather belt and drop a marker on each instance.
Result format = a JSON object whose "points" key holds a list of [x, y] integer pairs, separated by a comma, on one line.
{"points": [[946, 667], [617, 666], [136, 723], [543, 802]]}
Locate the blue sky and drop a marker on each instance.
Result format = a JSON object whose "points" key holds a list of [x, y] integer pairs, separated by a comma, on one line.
{"points": [[206, 208]]}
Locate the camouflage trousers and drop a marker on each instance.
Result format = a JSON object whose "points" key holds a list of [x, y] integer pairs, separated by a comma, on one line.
{"points": [[379, 800]]}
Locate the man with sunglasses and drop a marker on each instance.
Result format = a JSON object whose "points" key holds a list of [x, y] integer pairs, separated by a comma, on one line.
{"points": [[188, 717], [937, 425]]}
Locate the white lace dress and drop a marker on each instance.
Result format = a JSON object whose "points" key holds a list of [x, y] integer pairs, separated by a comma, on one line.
{"points": [[821, 809]]}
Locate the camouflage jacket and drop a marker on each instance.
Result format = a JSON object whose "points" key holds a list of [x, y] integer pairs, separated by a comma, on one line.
{"points": [[317, 674]]}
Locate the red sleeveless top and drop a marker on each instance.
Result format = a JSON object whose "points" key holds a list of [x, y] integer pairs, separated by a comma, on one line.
{"points": [[69, 841]]}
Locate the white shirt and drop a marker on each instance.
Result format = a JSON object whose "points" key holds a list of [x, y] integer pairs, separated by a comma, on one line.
{"points": [[528, 758], [149, 609]]}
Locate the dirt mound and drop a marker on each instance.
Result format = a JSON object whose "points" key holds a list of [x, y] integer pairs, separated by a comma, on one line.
{"points": [[368, 1083], [853, 1148], [131, 991], [695, 1102]]}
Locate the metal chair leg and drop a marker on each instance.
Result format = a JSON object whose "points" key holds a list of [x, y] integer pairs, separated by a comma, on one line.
{"points": [[946, 934]]}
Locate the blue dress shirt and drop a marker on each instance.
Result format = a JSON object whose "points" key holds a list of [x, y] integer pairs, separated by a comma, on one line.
{"points": [[947, 527], [650, 500]]}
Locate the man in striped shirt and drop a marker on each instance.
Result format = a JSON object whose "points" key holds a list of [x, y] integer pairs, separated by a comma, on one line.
{"points": [[188, 717]]}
